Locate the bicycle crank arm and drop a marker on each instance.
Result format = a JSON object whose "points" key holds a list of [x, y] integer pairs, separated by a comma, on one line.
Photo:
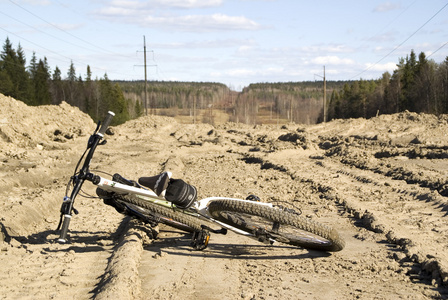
{"points": [[222, 231]]}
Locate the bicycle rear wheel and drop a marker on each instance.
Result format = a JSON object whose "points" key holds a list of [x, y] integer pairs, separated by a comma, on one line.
{"points": [[274, 223]]}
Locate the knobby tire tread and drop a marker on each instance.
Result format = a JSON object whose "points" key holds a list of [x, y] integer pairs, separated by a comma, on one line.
{"points": [[218, 209], [160, 219], [164, 212]]}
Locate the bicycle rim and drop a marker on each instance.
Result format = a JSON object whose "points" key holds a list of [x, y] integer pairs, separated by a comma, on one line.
{"points": [[276, 224]]}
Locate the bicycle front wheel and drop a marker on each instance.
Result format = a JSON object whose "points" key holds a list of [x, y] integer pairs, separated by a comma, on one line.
{"points": [[149, 216], [274, 223], [167, 216]]}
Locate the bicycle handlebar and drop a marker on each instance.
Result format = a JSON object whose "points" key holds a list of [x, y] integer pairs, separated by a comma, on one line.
{"points": [[64, 229], [78, 180], [106, 123]]}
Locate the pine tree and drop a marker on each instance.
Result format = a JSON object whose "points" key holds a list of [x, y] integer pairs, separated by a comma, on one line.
{"points": [[407, 81], [112, 99], [32, 69], [41, 84], [6, 84], [90, 94], [13, 72], [71, 86], [138, 109], [57, 87]]}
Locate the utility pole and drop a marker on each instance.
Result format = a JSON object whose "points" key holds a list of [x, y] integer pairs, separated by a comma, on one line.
{"points": [[146, 77], [290, 108], [146, 80], [325, 98]]}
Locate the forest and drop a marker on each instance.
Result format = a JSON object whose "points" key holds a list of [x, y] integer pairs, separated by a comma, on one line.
{"points": [[418, 84]]}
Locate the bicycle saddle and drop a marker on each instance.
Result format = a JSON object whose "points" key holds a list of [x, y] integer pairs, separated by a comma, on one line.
{"points": [[157, 183]]}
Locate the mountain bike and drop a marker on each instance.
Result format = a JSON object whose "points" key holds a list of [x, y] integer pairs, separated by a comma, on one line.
{"points": [[145, 200]]}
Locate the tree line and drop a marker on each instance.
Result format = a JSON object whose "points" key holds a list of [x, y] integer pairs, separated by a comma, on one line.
{"points": [[418, 85], [298, 102], [175, 94]]}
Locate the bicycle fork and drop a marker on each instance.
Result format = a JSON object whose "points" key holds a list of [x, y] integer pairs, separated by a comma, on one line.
{"points": [[67, 211]]}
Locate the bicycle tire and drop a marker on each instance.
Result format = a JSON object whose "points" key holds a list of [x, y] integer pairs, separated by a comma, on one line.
{"points": [[168, 216], [284, 226], [149, 216]]}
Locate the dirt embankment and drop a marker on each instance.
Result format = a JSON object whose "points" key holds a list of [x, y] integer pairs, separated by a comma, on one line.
{"points": [[381, 183]]}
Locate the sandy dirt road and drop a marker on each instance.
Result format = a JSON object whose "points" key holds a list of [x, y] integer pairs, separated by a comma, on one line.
{"points": [[381, 183]]}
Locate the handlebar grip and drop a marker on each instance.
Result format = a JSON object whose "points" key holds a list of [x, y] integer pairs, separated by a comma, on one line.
{"points": [[106, 122], [64, 229]]}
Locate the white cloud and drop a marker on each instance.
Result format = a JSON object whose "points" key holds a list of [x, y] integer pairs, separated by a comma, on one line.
{"points": [[114, 11], [153, 4], [274, 70], [38, 2], [62, 26], [338, 49], [206, 44], [163, 15], [424, 45], [241, 72], [386, 6], [332, 60], [128, 4], [189, 3], [139, 8], [390, 66], [389, 36], [135, 13], [331, 48], [200, 23], [244, 49]]}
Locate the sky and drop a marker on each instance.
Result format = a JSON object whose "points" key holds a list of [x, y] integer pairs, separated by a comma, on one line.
{"points": [[234, 42]]}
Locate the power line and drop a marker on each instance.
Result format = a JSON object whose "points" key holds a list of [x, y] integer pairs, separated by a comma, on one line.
{"points": [[100, 24], [46, 33], [51, 51], [402, 43], [387, 25], [61, 39], [58, 54], [65, 31], [443, 45]]}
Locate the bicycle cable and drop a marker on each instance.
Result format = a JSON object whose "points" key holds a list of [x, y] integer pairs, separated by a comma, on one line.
{"points": [[87, 195], [296, 210]]}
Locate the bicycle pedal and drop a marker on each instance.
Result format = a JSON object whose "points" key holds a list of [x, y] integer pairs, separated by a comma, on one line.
{"points": [[200, 239]]}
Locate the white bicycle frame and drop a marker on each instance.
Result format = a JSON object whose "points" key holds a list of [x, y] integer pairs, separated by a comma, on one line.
{"points": [[199, 209]]}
